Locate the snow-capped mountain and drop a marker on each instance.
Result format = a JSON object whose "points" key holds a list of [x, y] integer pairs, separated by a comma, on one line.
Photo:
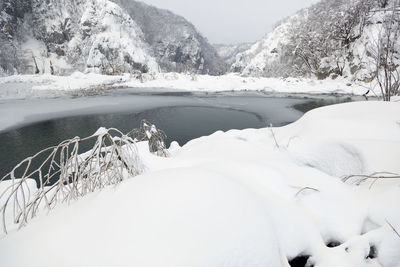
{"points": [[229, 52], [101, 36], [329, 39], [174, 41], [258, 57]]}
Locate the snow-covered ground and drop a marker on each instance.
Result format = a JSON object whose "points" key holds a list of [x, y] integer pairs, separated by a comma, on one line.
{"points": [[27, 86], [240, 198]]}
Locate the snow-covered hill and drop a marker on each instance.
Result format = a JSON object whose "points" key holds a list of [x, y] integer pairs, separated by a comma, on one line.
{"points": [[101, 36], [255, 60], [229, 52], [329, 39], [174, 41]]}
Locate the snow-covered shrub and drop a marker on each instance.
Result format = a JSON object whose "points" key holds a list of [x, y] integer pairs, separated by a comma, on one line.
{"points": [[66, 172], [154, 136]]}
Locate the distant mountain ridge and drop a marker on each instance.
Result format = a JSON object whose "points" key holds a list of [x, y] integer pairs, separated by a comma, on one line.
{"points": [[175, 42], [229, 52], [102, 36]]}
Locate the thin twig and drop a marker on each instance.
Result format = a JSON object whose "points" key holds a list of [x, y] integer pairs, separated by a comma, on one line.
{"points": [[376, 176], [273, 135], [304, 189], [394, 229]]}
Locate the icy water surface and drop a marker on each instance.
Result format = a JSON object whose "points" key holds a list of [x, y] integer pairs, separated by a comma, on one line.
{"points": [[182, 116]]}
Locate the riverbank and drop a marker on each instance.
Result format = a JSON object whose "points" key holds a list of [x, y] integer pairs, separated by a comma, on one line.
{"points": [[79, 84], [240, 198]]}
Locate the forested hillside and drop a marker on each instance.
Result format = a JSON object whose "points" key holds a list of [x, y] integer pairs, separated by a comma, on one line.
{"points": [[102, 36], [349, 38]]}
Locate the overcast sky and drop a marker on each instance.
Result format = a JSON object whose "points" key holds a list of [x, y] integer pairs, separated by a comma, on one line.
{"points": [[233, 21]]}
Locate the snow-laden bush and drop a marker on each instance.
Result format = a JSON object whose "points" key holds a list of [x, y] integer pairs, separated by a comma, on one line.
{"points": [[155, 137], [73, 169], [66, 172]]}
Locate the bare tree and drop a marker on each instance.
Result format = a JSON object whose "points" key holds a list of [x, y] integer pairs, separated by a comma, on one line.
{"points": [[36, 65], [383, 3], [385, 55], [111, 62], [51, 68], [12, 57]]}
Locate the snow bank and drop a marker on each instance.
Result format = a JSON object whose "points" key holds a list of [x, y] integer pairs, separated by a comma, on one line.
{"points": [[26, 86], [240, 198]]}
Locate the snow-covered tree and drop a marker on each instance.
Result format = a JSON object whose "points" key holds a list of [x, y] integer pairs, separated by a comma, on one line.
{"points": [[385, 54], [327, 39]]}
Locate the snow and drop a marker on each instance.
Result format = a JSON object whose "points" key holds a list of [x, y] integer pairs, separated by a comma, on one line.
{"points": [[119, 32], [229, 52], [300, 39], [253, 61], [238, 198], [38, 49], [26, 86]]}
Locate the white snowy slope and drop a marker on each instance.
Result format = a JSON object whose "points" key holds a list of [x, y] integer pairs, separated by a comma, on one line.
{"points": [[229, 52], [255, 60], [240, 198], [329, 39], [116, 32], [101, 36], [175, 42], [97, 36]]}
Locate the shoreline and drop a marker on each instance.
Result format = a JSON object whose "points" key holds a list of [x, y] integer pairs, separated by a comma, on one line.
{"points": [[79, 84], [23, 112]]}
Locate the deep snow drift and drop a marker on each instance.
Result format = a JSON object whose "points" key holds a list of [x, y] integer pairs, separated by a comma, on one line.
{"points": [[240, 198]]}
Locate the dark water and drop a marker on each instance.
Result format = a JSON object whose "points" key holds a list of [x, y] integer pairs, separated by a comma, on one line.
{"points": [[317, 103], [192, 118]]}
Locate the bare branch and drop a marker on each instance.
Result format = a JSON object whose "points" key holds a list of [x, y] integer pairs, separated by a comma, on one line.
{"points": [[66, 173], [394, 229], [376, 176], [305, 189]]}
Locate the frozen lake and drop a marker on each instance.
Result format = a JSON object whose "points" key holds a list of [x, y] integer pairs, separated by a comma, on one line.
{"points": [[39, 123]]}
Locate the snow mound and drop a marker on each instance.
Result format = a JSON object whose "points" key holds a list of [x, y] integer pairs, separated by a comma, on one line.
{"points": [[169, 218]]}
